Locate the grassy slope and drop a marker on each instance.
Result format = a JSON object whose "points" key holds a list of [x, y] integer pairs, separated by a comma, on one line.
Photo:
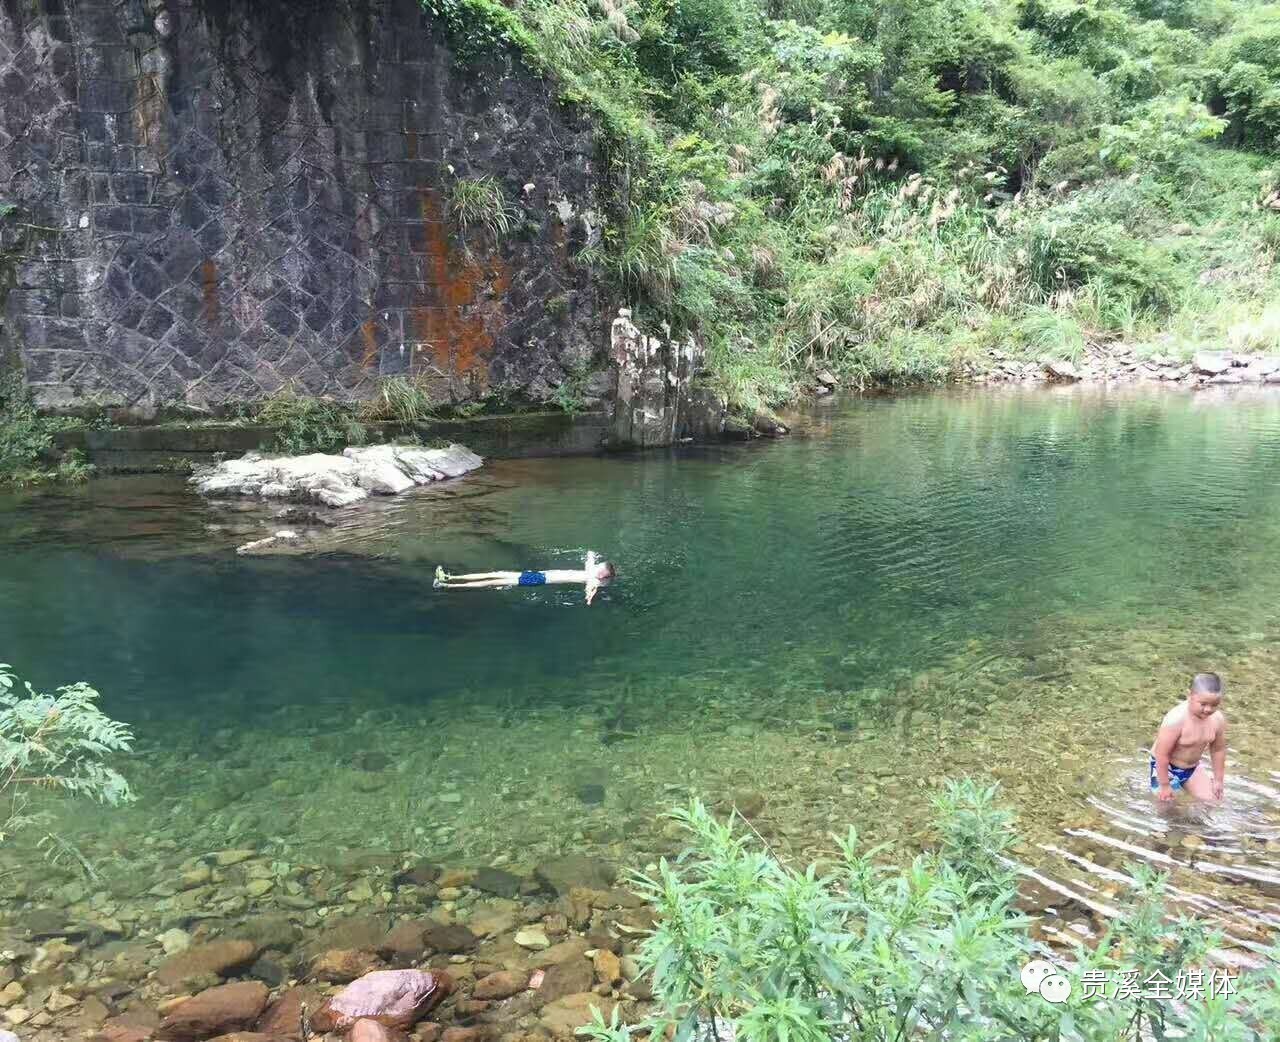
{"points": [[888, 188]]}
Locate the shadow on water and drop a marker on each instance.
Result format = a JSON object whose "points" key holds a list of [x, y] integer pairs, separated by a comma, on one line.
{"points": [[1010, 586]]}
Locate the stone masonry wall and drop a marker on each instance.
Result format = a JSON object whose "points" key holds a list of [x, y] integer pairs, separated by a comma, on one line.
{"points": [[211, 199]]}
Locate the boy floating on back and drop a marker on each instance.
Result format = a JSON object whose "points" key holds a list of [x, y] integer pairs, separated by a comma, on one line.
{"points": [[592, 576], [1185, 733]]}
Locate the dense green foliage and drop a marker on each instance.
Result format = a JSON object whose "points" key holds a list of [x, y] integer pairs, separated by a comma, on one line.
{"points": [[58, 742], [890, 187], [750, 949], [26, 439], [306, 424]]}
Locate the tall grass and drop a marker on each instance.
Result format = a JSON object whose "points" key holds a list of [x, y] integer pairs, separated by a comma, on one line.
{"points": [[480, 203], [400, 399]]}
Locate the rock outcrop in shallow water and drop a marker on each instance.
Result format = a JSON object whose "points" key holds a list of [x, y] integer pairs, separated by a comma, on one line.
{"points": [[336, 481]]}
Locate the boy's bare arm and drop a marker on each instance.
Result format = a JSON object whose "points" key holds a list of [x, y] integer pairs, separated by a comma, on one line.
{"points": [[1218, 754], [1166, 740]]}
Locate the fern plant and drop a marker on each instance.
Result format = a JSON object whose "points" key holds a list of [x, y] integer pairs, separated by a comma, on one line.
{"points": [[58, 742]]}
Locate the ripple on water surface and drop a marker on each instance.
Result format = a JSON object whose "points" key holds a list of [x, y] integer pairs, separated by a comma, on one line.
{"points": [[1011, 586]]}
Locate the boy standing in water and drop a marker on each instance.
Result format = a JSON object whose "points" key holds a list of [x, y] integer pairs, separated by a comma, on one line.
{"points": [[1185, 733], [592, 576]]}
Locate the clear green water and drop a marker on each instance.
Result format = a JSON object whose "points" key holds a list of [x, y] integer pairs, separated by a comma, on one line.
{"points": [[1013, 585]]}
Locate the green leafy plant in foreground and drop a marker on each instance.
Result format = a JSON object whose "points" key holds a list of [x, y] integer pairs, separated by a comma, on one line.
{"points": [[750, 949], [55, 742]]}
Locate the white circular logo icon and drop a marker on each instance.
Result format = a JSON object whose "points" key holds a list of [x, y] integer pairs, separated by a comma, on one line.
{"points": [[1034, 972], [1055, 988]]}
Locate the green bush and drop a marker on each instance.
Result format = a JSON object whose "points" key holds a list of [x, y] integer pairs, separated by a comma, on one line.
{"points": [[1069, 253], [26, 439], [1078, 161], [1242, 74], [1159, 134], [58, 742], [696, 38], [24, 436], [306, 424], [476, 26], [749, 948], [399, 399]]}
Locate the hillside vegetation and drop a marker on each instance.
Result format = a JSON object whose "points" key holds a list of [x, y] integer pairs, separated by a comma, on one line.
{"points": [[890, 188]]}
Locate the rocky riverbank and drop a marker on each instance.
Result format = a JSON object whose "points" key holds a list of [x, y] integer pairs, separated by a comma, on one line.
{"points": [[1205, 368], [1105, 365], [383, 949]]}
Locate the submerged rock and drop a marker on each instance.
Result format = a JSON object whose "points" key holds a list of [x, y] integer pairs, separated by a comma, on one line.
{"points": [[394, 998], [336, 481], [501, 984], [497, 881], [565, 1016], [285, 1014], [343, 965], [216, 957], [591, 794], [215, 1011], [371, 1031], [561, 875]]}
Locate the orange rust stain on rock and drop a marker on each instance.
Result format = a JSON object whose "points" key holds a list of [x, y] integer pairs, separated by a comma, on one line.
{"points": [[459, 299], [209, 290], [369, 334]]}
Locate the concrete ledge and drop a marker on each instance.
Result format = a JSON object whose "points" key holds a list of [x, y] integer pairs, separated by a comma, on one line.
{"points": [[177, 447]]}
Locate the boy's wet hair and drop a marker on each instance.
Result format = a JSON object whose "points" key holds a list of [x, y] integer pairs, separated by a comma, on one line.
{"points": [[609, 570], [1206, 684]]}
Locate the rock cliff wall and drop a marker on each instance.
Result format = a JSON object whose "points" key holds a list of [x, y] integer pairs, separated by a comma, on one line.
{"points": [[207, 199]]}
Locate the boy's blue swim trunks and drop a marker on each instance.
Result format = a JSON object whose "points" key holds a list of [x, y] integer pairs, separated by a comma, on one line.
{"points": [[1177, 776], [532, 579]]}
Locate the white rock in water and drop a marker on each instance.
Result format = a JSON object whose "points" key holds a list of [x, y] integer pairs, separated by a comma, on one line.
{"points": [[174, 941], [532, 938], [256, 544], [332, 497], [1211, 363], [335, 481], [378, 471]]}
